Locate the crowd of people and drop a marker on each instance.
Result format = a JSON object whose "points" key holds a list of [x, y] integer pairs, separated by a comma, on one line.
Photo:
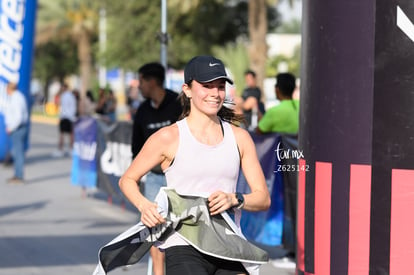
{"points": [[200, 154], [160, 108], [190, 141], [282, 118], [71, 106]]}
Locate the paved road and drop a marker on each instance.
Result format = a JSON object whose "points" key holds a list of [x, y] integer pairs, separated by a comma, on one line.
{"points": [[46, 225]]}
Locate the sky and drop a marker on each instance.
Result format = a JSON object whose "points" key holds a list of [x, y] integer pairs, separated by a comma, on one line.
{"points": [[287, 12]]}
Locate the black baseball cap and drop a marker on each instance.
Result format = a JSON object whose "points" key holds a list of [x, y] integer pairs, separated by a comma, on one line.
{"points": [[205, 68]]}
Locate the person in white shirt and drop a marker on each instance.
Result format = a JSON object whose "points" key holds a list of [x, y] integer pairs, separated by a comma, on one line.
{"points": [[201, 155], [16, 118], [67, 117]]}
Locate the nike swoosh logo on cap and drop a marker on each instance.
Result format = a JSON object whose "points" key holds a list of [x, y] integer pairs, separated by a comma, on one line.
{"points": [[213, 64]]}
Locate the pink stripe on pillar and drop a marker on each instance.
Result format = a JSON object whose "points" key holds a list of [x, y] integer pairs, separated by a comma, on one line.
{"points": [[301, 216], [359, 219], [402, 222], [323, 190]]}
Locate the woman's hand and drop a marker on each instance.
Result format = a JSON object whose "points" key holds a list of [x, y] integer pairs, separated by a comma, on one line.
{"points": [[149, 214], [219, 202]]}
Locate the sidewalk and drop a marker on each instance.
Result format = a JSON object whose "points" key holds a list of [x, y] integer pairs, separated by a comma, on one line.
{"points": [[48, 227], [44, 119]]}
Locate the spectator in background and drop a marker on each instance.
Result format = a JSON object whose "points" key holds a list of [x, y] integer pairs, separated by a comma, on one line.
{"points": [[134, 98], [250, 102], [101, 104], [110, 106], [284, 117], [87, 104], [106, 105], [67, 117], [16, 120], [78, 100], [160, 108]]}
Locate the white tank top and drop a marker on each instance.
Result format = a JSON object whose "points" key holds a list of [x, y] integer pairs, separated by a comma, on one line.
{"points": [[199, 169]]}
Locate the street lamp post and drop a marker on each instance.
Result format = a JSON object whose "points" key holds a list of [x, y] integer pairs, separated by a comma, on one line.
{"points": [[164, 36], [102, 46]]}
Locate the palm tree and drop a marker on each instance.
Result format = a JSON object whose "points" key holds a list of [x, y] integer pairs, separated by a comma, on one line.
{"points": [[76, 19], [258, 26], [257, 34]]}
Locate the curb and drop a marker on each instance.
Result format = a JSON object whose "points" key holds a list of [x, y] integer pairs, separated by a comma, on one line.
{"points": [[44, 119]]}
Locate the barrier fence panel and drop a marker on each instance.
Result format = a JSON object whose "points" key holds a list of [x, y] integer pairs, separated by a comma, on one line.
{"points": [[102, 153]]}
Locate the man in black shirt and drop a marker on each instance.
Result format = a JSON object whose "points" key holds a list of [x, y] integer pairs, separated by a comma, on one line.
{"points": [[251, 105], [160, 108]]}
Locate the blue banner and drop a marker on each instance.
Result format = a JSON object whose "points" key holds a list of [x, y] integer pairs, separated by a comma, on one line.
{"points": [[265, 227], [17, 27], [84, 171], [278, 156]]}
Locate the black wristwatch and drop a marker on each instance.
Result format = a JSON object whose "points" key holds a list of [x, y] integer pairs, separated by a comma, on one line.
{"points": [[240, 200]]}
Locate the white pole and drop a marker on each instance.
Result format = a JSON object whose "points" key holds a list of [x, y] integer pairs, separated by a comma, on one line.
{"points": [[149, 268], [164, 35], [102, 46]]}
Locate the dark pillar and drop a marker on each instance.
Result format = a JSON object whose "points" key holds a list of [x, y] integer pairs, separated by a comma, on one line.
{"points": [[356, 133]]}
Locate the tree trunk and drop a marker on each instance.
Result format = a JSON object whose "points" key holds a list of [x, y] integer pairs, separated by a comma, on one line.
{"points": [[85, 66], [257, 32]]}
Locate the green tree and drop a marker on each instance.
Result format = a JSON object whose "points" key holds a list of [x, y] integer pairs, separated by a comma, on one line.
{"points": [[257, 35], [132, 28], [235, 56], [75, 19], [258, 28], [292, 26], [293, 63], [194, 27], [54, 59]]}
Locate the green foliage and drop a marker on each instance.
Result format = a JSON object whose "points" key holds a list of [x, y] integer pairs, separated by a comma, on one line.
{"points": [[64, 31], [236, 59], [292, 26], [56, 58], [63, 18], [133, 27], [194, 28], [293, 63]]}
